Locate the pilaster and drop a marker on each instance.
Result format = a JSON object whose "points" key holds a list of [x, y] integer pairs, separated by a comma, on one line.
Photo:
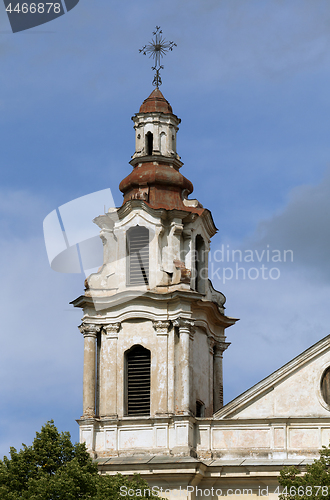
{"points": [[183, 391], [108, 375], [220, 347], [162, 332]]}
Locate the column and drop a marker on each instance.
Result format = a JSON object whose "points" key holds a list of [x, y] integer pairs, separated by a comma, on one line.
{"points": [[220, 347], [160, 390], [108, 371], [186, 335], [89, 332]]}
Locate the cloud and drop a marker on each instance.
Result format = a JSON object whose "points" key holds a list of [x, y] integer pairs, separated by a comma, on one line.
{"points": [[303, 226], [279, 318], [42, 349]]}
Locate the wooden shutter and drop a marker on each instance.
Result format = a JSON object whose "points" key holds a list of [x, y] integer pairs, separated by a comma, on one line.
{"points": [[138, 381], [138, 255]]}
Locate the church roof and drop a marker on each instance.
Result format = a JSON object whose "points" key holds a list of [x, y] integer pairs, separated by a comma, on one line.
{"points": [[156, 102]]}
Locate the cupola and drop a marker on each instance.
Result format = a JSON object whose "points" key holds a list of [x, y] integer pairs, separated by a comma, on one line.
{"points": [[155, 178]]}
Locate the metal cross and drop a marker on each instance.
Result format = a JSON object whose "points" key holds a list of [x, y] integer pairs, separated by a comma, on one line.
{"points": [[157, 48]]}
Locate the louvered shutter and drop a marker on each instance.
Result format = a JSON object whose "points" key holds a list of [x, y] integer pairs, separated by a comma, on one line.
{"points": [[138, 382], [138, 254]]}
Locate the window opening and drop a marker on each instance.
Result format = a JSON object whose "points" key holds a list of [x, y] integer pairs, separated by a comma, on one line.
{"points": [[199, 263], [200, 409], [138, 256], [138, 381], [150, 143]]}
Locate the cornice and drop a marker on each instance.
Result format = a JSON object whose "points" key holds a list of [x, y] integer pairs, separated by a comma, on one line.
{"points": [[157, 159], [209, 222], [212, 311]]}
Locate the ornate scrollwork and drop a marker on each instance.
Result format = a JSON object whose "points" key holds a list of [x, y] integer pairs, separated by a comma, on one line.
{"points": [[161, 327], [112, 328], [89, 329], [185, 324], [220, 347], [211, 342]]}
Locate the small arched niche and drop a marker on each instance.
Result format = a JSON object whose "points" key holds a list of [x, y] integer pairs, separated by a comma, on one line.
{"points": [[163, 150]]}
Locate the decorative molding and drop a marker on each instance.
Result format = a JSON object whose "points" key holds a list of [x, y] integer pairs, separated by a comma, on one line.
{"points": [[112, 329], [89, 329], [186, 325], [106, 221], [220, 347], [176, 228], [162, 327], [211, 343], [215, 296]]}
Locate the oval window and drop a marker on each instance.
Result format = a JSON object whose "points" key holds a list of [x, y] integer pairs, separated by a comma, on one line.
{"points": [[325, 386]]}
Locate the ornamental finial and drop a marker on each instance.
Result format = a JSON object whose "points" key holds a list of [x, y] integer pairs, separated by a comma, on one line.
{"points": [[157, 48]]}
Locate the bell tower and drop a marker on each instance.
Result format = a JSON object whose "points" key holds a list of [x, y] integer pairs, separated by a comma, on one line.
{"points": [[153, 325]]}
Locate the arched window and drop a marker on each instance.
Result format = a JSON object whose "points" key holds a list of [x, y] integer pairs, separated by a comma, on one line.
{"points": [[149, 143], [138, 381], [325, 386], [200, 271], [138, 256]]}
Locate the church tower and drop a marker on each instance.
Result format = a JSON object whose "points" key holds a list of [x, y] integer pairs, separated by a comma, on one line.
{"points": [[153, 325]]}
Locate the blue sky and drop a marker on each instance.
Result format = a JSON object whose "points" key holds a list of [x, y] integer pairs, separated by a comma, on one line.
{"points": [[250, 81]]}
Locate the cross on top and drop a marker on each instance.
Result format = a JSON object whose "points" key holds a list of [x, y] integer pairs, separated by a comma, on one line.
{"points": [[157, 48]]}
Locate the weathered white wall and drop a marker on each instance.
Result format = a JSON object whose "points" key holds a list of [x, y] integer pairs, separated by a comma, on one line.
{"points": [[298, 395]]}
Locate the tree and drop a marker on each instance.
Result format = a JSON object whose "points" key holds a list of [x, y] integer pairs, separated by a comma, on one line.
{"points": [[55, 469], [315, 483]]}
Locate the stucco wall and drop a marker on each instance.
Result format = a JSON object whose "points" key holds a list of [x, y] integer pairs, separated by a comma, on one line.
{"points": [[298, 395]]}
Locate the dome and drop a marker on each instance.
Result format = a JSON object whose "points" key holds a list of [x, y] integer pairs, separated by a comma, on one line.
{"points": [[156, 102]]}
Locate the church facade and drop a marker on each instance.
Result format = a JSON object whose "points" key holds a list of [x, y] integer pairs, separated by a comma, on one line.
{"points": [[154, 338]]}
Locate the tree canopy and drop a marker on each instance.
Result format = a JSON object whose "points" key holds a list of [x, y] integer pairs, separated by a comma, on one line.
{"points": [[314, 484], [53, 468]]}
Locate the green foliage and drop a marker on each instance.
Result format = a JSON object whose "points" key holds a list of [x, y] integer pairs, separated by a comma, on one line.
{"points": [[55, 469], [314, 484], [118, 486]]}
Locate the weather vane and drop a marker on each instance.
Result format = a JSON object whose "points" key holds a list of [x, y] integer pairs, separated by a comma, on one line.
{"points": [[157, 48]]}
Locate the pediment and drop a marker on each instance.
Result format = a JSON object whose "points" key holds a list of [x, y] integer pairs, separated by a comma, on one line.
{"points": [[294, 390]]}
